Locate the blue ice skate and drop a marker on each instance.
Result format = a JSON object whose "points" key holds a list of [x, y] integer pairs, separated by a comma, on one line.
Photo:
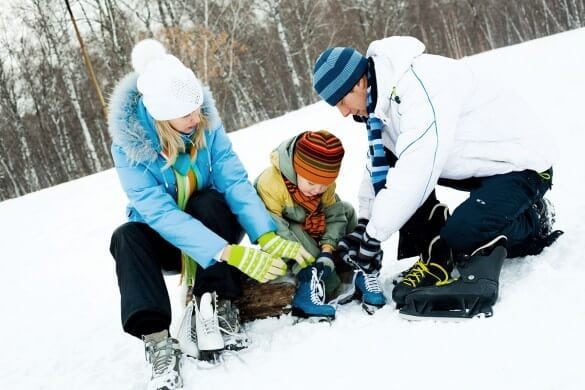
{"points": [[309, 298], [367, 287]]}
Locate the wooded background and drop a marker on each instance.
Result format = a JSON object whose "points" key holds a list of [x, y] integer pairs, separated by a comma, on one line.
{"points": [[256, 55]]}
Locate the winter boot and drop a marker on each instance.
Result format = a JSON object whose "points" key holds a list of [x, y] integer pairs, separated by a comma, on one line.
{"points": [[432, 269], [545, 237], [209, 339], [233, 333], [368, 289], [472, 295], [310, 295], [164, 355], [546, 216]]}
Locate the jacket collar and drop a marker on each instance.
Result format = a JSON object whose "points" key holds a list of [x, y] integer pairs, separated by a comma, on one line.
{"points": [[282, 159]]}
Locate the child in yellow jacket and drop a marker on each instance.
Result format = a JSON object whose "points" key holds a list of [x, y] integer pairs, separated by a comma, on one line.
{"points": [[298, 189]]}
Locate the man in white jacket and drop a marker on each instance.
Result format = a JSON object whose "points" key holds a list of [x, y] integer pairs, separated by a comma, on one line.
{"points": [[429, 120]]}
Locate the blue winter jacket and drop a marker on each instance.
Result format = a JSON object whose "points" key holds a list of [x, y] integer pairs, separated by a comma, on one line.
{"points": [[152, 190]]}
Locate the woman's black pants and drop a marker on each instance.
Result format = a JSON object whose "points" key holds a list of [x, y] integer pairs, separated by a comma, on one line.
{"points": [[142, 255]]}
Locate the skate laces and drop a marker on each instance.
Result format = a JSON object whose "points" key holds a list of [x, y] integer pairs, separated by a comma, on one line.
{"points": [[317, 294], [228, 328], [371, 282], [415, 274], [208, 315], [161, 356], [229, 325], [418, 271], [209, 325]]}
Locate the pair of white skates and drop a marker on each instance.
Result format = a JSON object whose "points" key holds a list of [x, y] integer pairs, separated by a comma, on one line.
{"points": [[209, 327]]}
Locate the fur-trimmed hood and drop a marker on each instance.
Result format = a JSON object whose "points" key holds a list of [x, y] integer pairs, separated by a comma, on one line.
{"points": [[131, 126]]}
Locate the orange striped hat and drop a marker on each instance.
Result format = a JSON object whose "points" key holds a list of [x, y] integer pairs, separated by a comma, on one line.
{"points": [[317, 156]]}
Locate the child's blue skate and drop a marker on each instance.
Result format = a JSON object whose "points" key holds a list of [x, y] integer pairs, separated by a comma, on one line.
{"points": [[308, 301]]}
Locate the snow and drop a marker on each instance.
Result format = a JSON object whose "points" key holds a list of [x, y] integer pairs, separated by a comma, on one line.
{"points": [[59, 301]]}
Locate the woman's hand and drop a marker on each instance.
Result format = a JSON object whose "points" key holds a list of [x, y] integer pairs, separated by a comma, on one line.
{"points": [[253, 262]]}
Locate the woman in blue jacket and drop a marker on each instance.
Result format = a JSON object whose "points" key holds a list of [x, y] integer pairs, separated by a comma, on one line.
{"points": [[190, 203]]}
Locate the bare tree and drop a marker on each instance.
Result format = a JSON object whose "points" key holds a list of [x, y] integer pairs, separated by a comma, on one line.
{"points": [[256, 55]]}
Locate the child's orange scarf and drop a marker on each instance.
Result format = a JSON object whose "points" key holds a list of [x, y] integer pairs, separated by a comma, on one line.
{"points": [[315, 220]]}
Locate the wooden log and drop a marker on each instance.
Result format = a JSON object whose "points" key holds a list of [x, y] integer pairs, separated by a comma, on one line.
{"points": [[262, 300]]}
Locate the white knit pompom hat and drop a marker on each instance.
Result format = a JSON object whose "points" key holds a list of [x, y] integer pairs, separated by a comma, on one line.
{"points": [[169, 89]]}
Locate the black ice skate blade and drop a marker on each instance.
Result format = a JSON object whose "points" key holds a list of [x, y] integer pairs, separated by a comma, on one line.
{"points": [[236, 346], [301, 316], [449, 310], [371, 309], [441, 317], [355, 295], [212, 358]]}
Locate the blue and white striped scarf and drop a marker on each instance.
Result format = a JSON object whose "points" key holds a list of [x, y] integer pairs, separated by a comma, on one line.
{"points": [[380, 167]]}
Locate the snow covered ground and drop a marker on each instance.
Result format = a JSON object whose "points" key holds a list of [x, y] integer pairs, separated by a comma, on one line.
{"points": [[59, 299]]}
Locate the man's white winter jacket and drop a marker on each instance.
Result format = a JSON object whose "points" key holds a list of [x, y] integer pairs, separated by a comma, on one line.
{"points": [[451, 122]]}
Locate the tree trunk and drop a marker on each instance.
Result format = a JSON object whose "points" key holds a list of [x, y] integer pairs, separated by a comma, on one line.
{"points": [[74, 100], [296, 82]]}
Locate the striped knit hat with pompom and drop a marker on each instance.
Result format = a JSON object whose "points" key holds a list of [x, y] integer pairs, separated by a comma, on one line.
{"points": [[317, 156]]}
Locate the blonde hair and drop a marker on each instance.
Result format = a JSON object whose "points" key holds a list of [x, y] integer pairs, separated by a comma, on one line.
{"points": [[172, 143]]}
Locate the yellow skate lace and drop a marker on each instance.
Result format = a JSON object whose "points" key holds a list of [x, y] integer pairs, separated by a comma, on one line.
{"points": [[419, 270]]}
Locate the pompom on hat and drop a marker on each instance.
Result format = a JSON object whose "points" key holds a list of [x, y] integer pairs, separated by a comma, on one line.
{"points": [[317, 156], [169, 89], [336, 71]]}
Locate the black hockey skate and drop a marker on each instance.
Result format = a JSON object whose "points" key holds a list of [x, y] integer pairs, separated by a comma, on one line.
{"points": [[432, 269], [472, 295]]}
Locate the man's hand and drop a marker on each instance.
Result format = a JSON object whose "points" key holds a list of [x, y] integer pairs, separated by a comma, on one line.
{"points": [[349, 244], [369, 256]]}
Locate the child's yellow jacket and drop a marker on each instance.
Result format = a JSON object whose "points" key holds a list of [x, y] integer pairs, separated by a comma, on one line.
{"points": [[273, 192]]}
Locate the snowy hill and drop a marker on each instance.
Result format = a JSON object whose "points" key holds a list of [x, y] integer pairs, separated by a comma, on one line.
{"points": [[60, 324]]}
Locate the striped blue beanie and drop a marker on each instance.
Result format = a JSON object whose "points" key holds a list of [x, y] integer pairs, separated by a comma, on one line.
{"points": [[336, 71]]}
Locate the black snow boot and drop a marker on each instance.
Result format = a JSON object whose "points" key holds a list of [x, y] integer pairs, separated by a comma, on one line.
{"points": [[546, 236], [472, 295]]}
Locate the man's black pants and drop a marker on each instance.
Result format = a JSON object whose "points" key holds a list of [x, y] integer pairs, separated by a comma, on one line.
{"points": [[499, 204]]}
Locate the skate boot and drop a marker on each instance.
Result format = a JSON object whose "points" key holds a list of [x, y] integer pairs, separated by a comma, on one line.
{"points": [[234, 336], [472, 295], [368, 289], [209, 339], [164, 355], [309, 298], [187, 335], [432, 269], [434, 223]]}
